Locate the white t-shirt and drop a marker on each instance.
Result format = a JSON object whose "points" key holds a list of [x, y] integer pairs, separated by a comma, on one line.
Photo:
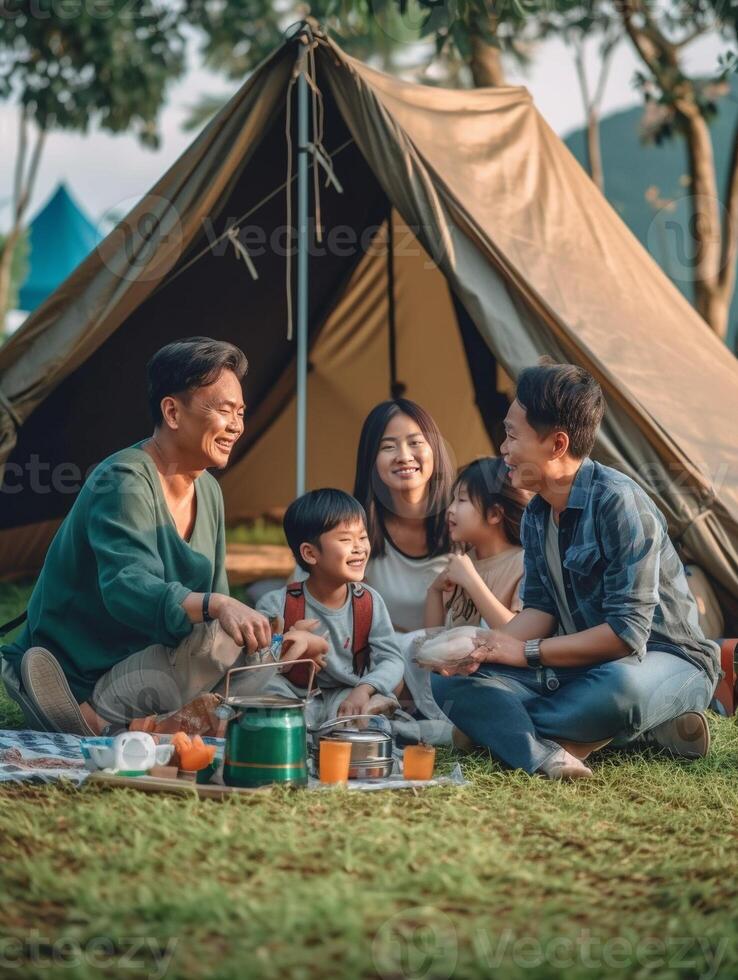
{"points": [[403, 583]]}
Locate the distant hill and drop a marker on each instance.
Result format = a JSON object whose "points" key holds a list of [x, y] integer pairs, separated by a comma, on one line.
{"points": [[633, 169]]}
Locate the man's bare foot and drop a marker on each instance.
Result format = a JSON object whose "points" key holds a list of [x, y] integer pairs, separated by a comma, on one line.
{"points": [[580, 750], [462, 742], [564, 765], [93, 719]]}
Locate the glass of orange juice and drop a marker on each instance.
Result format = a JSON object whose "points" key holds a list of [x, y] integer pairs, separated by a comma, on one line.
{"points": [[418, 761], [335, 760]]}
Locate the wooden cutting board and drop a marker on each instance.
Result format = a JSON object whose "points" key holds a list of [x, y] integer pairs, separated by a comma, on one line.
{"points": [[180, 787]]}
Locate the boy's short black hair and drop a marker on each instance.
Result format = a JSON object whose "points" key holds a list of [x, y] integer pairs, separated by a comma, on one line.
{"points": [[316, 512], [187, 364], [565, 397]]}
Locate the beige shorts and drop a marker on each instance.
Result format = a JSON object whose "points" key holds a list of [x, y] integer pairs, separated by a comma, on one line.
{"points": [[161, 679]]}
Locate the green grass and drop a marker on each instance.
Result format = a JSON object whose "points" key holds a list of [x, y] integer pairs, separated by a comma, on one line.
{"points": [[631, 874], [13, 599], [260, 531]]}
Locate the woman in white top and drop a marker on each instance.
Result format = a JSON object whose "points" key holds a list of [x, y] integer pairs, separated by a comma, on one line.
{"points": [[404, 477]]}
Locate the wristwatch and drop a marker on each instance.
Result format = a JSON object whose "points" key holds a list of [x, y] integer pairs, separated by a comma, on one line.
{"points": [[206, 617], [533, 653]]}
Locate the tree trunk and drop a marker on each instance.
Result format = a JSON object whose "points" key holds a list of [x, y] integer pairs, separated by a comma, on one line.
{"points": [[730, 231], [6, 266], [712, 293], [485, 63], [705, 223], [22, 190], [594, 150], [715, 309]]}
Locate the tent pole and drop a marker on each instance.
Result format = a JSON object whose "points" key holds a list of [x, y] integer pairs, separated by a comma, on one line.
{"points": [[391, 324], [302, 279]]}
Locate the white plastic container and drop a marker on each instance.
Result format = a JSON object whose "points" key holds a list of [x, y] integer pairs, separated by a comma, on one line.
{"points": [[129, 752]]}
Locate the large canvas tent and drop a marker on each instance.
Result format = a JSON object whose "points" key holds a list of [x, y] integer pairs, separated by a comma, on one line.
{"points": [[501, 250]]}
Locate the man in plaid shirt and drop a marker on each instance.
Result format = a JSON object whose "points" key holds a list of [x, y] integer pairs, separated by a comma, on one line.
{"points": [[608, 644]]}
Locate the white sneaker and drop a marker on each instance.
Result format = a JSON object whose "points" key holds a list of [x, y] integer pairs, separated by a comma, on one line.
{"points": [[687, 736], [44, 682]]}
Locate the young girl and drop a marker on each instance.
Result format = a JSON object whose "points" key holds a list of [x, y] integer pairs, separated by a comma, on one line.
{"points": [[484, 583]]}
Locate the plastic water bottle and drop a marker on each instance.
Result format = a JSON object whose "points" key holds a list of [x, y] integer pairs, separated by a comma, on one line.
{"points": [[275, 647]]}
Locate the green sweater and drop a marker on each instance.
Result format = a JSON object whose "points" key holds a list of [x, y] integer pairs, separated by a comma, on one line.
{"points": [[117, 571]]}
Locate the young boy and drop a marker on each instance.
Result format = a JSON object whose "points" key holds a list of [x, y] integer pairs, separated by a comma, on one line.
{"points": [[326, 530]]}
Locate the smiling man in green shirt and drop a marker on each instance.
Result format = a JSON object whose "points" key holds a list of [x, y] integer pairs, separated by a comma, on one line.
{"points": [[131, 615]]}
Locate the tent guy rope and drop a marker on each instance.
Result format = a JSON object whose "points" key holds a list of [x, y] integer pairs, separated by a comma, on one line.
{"points": [[331, 155]]}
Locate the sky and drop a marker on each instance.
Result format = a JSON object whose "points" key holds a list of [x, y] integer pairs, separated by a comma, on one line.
{"points": [[109, 173]]}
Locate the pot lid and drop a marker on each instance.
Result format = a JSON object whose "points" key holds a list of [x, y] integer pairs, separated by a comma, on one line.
{"points": [[264, 701], [354, 735]]}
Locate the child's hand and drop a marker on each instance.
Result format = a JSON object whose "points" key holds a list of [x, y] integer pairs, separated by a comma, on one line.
{"points": [[461, 571], [302, 645], [441, 583], [357, 702]]}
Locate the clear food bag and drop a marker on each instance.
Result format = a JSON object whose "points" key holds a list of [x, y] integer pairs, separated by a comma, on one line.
{"points": [[439, 648]]}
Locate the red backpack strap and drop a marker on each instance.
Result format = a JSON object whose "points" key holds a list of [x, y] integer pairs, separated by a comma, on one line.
{"points": [[294, 604], [294, 610], [363, 609]]}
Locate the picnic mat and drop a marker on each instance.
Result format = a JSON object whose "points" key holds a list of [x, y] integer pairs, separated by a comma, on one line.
{"points": [[46, 757], [40, 757]]}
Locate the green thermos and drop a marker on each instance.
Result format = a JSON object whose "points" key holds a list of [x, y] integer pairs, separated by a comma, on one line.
{"points": [[266, 737]]}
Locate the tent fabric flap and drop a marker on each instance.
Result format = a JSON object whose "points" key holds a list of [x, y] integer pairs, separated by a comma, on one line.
{"points": [[513, 233], [544, 265]]}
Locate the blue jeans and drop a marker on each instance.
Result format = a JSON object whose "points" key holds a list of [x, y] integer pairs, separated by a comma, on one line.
{"points": [[516, 711]]}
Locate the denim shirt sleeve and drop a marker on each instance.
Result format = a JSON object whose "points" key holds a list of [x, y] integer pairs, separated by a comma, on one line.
{"points": [[534, 593], [631, 533]]}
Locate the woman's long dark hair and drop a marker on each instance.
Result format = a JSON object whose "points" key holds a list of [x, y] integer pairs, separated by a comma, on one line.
{"points": [[370, 491]]}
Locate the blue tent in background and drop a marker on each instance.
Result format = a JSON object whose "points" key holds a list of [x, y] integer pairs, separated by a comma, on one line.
{"points": [[60, 237]]}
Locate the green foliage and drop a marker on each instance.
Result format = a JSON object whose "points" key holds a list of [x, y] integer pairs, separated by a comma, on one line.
{"points": [[259, 531], [240, 34], [13, 600], [104, 62], [237, 36], [453, 22]]}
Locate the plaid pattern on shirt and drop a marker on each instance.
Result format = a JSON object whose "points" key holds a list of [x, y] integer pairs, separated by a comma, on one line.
{"points": [[619, 567]]}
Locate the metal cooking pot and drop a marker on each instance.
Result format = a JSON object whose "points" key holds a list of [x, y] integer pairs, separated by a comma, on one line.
{"points": [[371, 749], [266, 736]]}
